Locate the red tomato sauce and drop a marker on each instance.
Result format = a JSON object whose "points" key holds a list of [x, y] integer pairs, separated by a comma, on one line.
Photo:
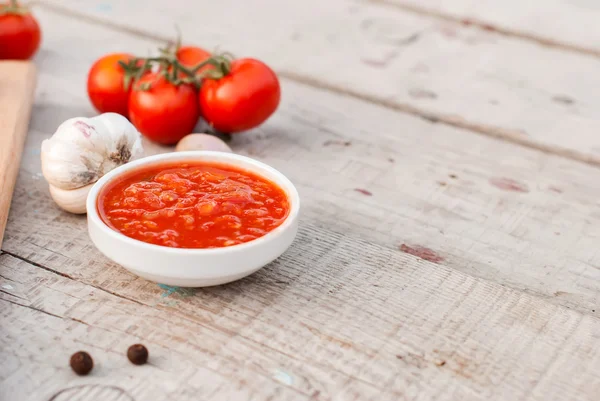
{"points": [[193, 205]]}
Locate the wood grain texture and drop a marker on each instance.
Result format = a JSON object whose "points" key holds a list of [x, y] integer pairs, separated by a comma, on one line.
{"points": [[431, 264], [500, 212], [334, 319], [464, 76], [17, 85], [566, 24]]}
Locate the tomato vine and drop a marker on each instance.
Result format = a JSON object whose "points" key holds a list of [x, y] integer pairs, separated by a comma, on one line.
{"points": [[171, 69], [13, 8]]}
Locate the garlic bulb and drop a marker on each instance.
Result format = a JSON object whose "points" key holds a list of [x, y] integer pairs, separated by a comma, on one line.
{"points": [[84, 149]]}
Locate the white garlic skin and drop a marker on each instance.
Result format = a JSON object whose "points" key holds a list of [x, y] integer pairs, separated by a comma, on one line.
{"points": [[84, 149], [71, 200], [202, 142]]}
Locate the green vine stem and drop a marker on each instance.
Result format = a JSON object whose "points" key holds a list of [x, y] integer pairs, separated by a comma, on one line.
{"points": [[171, 69], [169, 51], [13, 8]]}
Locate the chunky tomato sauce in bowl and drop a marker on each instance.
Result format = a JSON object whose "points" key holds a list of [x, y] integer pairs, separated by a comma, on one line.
{"points": [[193, 218]]}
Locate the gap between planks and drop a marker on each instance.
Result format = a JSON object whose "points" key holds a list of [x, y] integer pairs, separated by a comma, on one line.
{"points": [[511, 136], [541, 40], [36, 264]]}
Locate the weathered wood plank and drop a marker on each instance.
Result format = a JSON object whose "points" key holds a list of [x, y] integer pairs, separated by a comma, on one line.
{"points": [[333, 319], [336, 318], [17, 83], [528, 221], [49, 317], [568, 24], [461, 75]]}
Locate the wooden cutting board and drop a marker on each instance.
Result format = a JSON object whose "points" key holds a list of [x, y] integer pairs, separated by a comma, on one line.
{"points": [[17, 85]]}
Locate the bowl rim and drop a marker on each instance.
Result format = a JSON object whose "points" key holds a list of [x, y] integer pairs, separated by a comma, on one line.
{"points": [[236, 160]]}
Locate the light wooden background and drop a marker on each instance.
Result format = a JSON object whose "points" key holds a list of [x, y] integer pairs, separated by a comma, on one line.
{"points": [[447, 155]]}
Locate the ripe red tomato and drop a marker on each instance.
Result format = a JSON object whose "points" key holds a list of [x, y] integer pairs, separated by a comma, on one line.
{"points": [[105, 85], [20, 34], [190, 56], [242, 99], [165, 113]]}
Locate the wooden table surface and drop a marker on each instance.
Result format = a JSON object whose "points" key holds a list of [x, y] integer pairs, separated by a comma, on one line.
{"points": [[447, 155]]}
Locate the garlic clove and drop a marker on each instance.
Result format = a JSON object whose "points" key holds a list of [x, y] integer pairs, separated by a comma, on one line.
{"points": [[71, 200], [202, 142]]}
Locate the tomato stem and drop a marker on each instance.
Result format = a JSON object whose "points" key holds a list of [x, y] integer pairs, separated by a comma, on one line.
{"points": [[178, 41], [221, 64], [175, 75], [171, 69], [13, 8]]}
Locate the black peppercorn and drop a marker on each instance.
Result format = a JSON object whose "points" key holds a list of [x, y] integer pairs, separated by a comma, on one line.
{"points": [[137, 354], [81, 362]]}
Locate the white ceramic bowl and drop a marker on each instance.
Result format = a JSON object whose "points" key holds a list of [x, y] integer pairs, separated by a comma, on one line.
{"points": [[193, 267]]}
